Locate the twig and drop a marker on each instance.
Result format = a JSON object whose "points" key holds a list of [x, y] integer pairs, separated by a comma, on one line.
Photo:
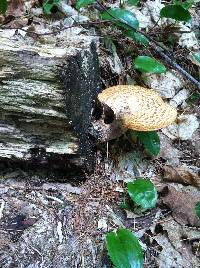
{"points": [[170, 32], [38, 34], [55, 31], [52, 187], [176, 66], [157, 47], [54, 199]]}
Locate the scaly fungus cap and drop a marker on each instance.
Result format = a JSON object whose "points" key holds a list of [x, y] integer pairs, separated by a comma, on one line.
{"points": [[138, 108]]}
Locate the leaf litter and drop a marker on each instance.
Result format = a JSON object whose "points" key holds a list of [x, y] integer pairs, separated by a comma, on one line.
{"points": [[181, 175]]}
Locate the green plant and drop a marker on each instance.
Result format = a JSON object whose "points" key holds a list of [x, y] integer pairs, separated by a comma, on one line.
{"points": [[138, 37], [127, 20], [149, 139], [3, 6], [177, 12], [133, 2], [124, 249], [148, 65], [187, 4], [121, 17], [143, 193], [49, 5], [84, 3]]}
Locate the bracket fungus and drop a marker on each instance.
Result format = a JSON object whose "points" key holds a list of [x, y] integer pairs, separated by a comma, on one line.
{"points": [[136, 108]]}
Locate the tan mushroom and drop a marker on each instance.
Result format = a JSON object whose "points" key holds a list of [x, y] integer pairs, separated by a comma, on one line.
{"points": [[138, 108]]}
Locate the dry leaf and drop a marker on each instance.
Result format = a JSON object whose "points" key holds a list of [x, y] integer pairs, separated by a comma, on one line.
{"points": [[15, 8], [1, 19], [182, 238], [17, 23], [181, 175], [182, 206], [168, 151]]}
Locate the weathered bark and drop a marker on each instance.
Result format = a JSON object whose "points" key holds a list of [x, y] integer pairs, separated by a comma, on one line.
{"points": [[46, 96]]}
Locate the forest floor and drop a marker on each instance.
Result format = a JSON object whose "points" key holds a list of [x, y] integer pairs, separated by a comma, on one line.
{"points": [[58, 223]]}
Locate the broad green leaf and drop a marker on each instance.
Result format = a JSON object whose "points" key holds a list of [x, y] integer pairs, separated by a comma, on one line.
{"points": [[197, 209], [49, 4], [122, 17], [124, 249], [148, 65], [176, 12], [3, 6], [138, 37], [84, 3], [151, 141], [133, 2], [143, 193]]}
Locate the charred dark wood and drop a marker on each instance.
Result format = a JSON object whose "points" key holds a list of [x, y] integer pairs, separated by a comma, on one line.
{"points": [[81, 82]]}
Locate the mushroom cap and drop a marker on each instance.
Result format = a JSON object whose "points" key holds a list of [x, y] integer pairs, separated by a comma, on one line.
{"points": [[138, 108]]}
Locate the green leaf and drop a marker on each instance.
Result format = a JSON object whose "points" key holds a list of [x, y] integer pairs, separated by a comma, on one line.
{"points": [[197, 209], [47, 8], [48, 5], [124, 249], [125, 205], [149, 65], [151, 141], [185, 4], [143, 193], [122, 17], [138, 37], [3, 6], [133, 2], [84, 3], [176, 12]]}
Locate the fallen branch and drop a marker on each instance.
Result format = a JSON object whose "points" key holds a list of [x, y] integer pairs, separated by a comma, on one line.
{"points": [[176, 65], [76, 24], [47, 187]]}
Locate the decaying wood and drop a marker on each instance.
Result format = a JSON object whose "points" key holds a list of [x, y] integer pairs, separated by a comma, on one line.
{"points": [[33, 98]]}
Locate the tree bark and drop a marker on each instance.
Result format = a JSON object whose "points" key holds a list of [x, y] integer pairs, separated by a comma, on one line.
{"points": [[46, 97]]}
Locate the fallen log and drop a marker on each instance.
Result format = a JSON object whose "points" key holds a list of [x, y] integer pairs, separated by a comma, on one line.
{"points": [[46, 97]]}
